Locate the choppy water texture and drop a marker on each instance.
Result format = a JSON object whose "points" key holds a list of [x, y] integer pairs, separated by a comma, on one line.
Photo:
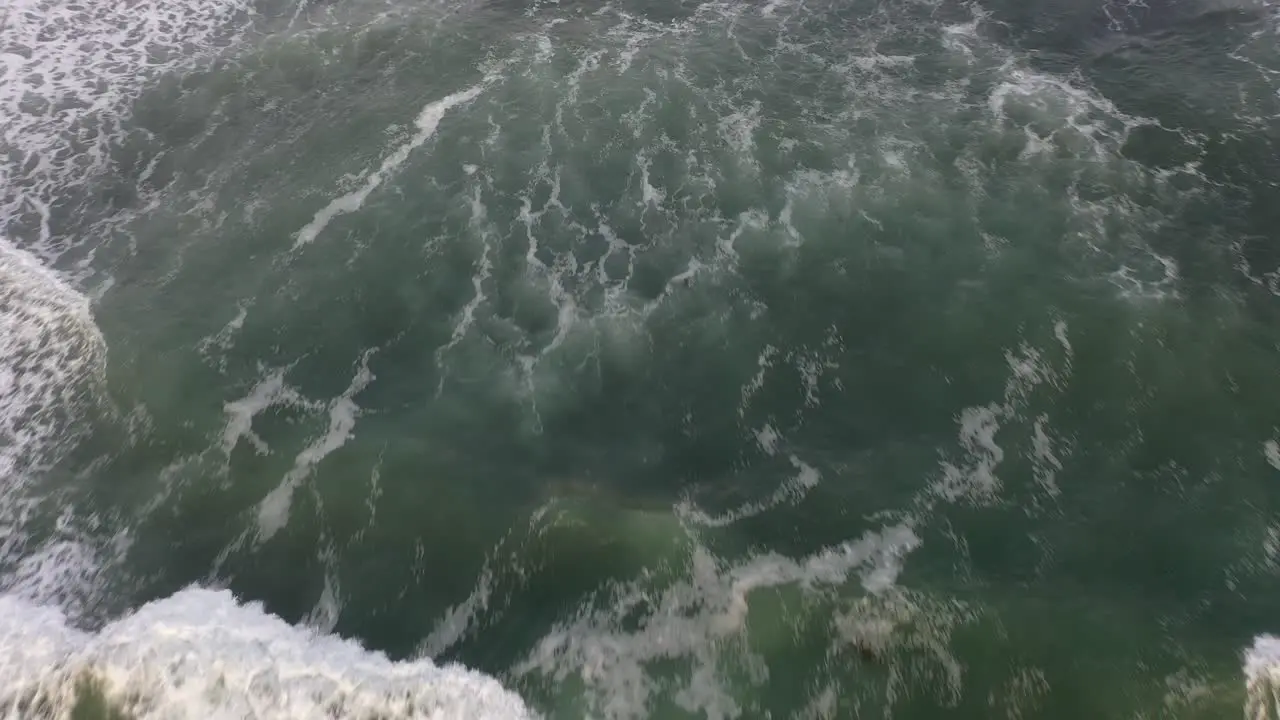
{"points": [[640, 358]]}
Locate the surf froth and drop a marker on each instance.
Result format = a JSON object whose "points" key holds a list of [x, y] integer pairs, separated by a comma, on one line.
{"points": [[49, 349], [1262, 678], [52, 361], [199, 653], [68, 73]]}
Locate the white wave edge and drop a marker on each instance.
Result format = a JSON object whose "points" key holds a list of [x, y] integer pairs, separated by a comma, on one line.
{"points": [[201, 654], [1262, 678], [52, 365]]}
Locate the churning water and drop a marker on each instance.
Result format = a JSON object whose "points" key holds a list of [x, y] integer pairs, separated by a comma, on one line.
{"points": [[639, 359]]}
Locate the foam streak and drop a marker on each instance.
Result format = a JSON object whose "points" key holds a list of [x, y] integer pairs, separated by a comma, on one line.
{"points": [[428, 121]]}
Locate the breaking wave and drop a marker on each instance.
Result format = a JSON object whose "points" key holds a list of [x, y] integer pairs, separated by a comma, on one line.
{"points": [[200, 654], [52, 361]]}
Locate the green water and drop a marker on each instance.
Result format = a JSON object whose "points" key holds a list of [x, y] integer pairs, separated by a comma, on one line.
{"points": [[819, 359]]}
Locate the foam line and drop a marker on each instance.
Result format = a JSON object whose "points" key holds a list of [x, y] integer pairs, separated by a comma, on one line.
{"points": [[273, 512], [427, 123]]}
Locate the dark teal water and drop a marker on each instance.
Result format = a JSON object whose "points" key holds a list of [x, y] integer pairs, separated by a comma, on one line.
{"points": [[661, 359]]}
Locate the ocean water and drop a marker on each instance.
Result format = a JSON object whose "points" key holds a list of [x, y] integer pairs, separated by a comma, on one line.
{"points": [[639, 359]]}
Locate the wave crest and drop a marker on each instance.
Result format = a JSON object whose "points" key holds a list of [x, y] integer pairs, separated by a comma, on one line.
{"points": [[200, 654]]}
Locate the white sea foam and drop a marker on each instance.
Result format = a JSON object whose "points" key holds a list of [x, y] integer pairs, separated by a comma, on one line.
{"points": [[764, 361], [218, 343], [451, 629], [52, 359], [51, 352], [1271, 451], [897, 621], [1035, 99], [270, 391], [273, 511], [737, 131], [1262, 678], [976, 477], [973, 476], [200, 654], [789, 492], [483, 270], [693, 620], [68, 73], [427, 122]]}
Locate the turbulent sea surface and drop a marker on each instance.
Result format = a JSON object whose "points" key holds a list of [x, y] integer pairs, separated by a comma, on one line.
{"points": [[639, 359]]}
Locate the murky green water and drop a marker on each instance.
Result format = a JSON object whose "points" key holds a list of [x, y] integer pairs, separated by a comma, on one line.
{"points": [[803, 359]]}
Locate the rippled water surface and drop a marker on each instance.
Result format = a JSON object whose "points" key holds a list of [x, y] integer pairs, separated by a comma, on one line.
{"points": [[640, 358]]}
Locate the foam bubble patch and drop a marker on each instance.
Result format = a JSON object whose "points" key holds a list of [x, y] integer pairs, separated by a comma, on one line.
{"points": [[693, 621], [200, 654], [1262, 678], [52, 360], [49, 348], [69, 72]]}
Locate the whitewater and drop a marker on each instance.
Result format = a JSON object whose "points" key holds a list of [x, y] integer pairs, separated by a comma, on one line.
{"points": [[197, 653], [376, 359]]}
